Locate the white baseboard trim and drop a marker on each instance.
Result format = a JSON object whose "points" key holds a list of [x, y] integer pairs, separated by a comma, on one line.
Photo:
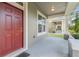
{"points": [[15, 53]]}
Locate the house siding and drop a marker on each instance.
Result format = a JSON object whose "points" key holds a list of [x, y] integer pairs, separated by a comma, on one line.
{"points": [[32, 25]]}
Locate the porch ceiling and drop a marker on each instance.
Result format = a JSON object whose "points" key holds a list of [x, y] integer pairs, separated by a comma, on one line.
{"points": [[46, 7]]}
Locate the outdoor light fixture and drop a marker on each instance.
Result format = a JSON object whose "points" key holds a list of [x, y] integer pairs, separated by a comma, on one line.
{"points": [[52, 9]]}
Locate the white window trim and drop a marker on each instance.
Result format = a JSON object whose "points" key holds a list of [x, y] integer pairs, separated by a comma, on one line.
{"points": [[41, 33], [38, 12]]}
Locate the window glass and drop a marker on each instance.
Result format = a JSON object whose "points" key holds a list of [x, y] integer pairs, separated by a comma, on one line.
{"points": [[39, 28], [41, 24], [44, 28]]}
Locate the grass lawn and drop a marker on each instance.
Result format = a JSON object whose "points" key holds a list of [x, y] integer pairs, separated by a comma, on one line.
{"points": [[56, 35]]}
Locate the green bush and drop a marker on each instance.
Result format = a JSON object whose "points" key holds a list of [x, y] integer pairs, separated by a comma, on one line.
{"points": [[71, 31], [76, 35], [74, 29]]}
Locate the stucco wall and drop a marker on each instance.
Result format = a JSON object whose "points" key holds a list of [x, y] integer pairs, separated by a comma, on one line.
{"points": [[54, 18], [51, 27], [32, 24]]}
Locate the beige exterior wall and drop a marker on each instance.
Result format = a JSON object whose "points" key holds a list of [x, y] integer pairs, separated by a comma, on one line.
{"points": [[51, 27], [32, 25], [55, 18]]}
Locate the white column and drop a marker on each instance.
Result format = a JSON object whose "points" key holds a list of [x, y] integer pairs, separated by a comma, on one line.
{"points": [[66, 24], [26, 25], [62, 26]]}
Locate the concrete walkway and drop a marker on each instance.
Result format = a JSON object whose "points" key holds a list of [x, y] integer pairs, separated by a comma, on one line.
{"points": [[49, 47]]}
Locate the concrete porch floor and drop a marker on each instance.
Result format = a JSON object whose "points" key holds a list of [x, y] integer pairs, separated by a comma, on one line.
{"points": [[49, 47]]}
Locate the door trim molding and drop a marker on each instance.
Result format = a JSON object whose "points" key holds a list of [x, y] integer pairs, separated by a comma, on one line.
{"points": [[16, 5], [26, 26]]}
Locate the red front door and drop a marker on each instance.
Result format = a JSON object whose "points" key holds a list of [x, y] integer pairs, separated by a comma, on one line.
{"points": [[11, 29]]}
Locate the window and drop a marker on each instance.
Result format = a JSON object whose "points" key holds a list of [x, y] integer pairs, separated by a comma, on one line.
{"points": [[41, 24], [20, 3]]}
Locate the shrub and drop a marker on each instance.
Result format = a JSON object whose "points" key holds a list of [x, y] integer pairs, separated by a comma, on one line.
{"points": [[76, 35]]}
